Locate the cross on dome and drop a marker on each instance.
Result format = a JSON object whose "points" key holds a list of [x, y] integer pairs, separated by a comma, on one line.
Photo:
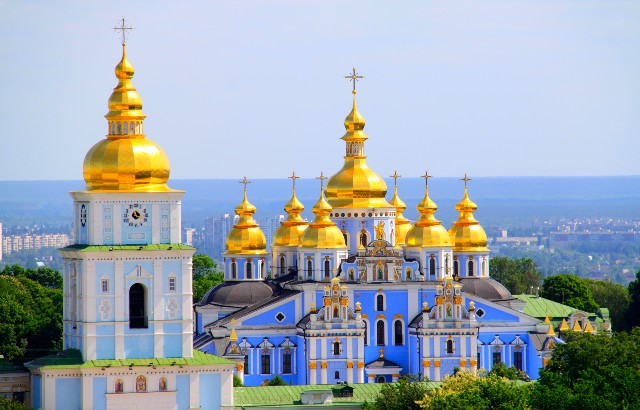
{"points": [[395, 177], [321, 178], [293, 178], [245, 181], [353, 78], [465, 179], [426, 177], [123, 27]]}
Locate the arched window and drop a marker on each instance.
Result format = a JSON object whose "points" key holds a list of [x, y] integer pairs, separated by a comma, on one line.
{"points": [[137, 307], [327, 269], [380, 302], [263, 271], [125, 129], [234, 270], [119, 386], [336, 348], [346, 242], [380, 379], [283, 263], [249, 270], [455, 267], [484, 267], [309, 268], [337, 375], [141, 383], [398, 338], [432, 265], [363, 239], [162, 384], [409, 274], [366, 333], [131, 128], [380, 333], [450, 346], [119, 129], [470, 268]]}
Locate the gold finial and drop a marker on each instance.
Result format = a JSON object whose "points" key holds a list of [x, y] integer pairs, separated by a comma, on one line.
{"points": [[293, 178], [395, 177], [426, 177], [321, 178], [353, 78], [245, 181], [124, 29], [465, 179], [381, 350]]}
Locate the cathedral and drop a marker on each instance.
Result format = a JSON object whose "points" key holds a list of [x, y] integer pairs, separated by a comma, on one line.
{"points": [[128, 316], [361, 294]]}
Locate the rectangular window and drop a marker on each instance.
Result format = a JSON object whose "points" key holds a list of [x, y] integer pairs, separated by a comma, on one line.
{"points": [[517, 360], [172, 284], [265, 364], [497, 358], [246, 364], [105, 285], [286, 363]]}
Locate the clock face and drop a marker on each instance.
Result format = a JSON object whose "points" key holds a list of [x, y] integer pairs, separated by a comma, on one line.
{"points": [[135, 215], [83, 215]]}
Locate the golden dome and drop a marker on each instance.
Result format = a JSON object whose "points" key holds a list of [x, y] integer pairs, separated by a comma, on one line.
{"points": [[403, 225], [126, 160], [427, 231], [466, 233], [322, 232], [356, 185], [246, 237], [290, 231]]}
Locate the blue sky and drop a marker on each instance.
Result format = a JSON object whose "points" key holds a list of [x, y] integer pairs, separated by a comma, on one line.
{"points": [[256, 88]]}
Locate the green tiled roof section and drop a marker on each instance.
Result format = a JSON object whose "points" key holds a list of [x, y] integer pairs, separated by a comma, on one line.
{"points": [[153, 247], [288, 395], [541, 307], [73, 359]]}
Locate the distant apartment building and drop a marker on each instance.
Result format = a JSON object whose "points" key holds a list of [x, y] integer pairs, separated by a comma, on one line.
{"points": [[17, 243], [269, 226], [188, 236], [565, 239]]}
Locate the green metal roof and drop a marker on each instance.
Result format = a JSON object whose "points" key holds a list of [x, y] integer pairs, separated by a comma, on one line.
{"points": [[153, 247], [70, 359], [541, 307], [274, 396]]}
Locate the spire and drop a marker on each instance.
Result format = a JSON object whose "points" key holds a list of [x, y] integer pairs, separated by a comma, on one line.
{"points": [[322, 232], [564, 326], [427, 231], [290, 230], [246, 236], [356, 185], [551, 332], [126, 160], [466, 233], [403, 225]]}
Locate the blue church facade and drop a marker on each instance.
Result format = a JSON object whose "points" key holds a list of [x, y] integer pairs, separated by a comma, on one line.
{"points": [[361, 294]]}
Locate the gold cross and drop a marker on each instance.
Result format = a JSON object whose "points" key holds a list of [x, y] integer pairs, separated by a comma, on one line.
{"points": [[353, 78], [124, 29], [465, 179], [426, 177], [321, 178], [245, 181], [395, 177], [294, 177]]}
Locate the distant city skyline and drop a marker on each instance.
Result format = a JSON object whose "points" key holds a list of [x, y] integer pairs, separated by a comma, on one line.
{"points": [[490, 88]]}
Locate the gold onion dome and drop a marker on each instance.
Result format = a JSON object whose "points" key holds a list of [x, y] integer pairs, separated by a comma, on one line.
{"points": [[246, 236], [427, 231], [356, 185], [403, 225], [322, 232], [466, 233], [290, 230], [126, 160]]}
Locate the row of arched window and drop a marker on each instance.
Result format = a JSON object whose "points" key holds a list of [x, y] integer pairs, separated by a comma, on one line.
{"points": [[126, 128], [141, 385], [381, 333], [456, 266], [248, 268], [326, 269]]}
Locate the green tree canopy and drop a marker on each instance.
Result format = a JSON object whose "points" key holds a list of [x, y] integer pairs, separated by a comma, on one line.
{"points": [[632, 315], [401, 395], [205, 275], [516, 274], [47, 277], [612, 296], [31, 324], [591, 372], [569, 290]]}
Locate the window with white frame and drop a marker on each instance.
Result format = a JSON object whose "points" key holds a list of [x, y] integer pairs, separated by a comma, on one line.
{"points": [[104, 285], [172, 284]]}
